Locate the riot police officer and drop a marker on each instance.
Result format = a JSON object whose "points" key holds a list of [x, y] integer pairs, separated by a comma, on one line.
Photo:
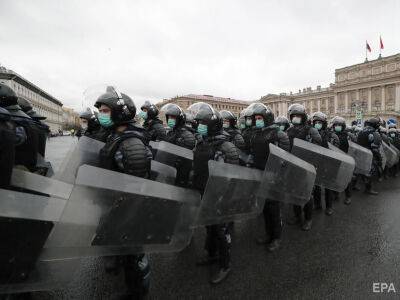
{"points": [[7, 147], [301, 129], [371, 139], [230, 127], [266, 132], [395, 141], [212, 144], [27, 141], [190, 122], [126, 150], [320, 122], [180, 136], [283, 123], [339, 127], [91, 128], [247, 130], [153, 125]]}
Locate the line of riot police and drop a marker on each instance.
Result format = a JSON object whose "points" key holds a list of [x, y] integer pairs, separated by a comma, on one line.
{"points": [[121, 204]]}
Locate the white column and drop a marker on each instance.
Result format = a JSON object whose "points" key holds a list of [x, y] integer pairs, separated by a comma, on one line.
{"points": [[319, 104], [346, 102], [383, 90], [358, 95], [397, 98], [369, 100], [335, 99]]}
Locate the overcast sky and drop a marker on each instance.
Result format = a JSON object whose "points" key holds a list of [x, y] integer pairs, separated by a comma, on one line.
{"points": [[159, 49]]}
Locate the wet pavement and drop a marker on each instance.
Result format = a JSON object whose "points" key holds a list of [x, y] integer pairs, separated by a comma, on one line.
{"points": [[340, 258]]}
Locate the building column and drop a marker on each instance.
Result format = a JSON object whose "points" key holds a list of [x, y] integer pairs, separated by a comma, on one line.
{"points": [[397, 98], [335, 103], [358, 95], [369, 100], [346, 102], [383, 102], [319, 104]]}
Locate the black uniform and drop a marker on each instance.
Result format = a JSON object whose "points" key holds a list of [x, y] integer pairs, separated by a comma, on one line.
{"points": [[261, 138], [326, 137], [7, 148], [182, 137], [307, 133], [371, 139], [218, 148], [155, 129]]}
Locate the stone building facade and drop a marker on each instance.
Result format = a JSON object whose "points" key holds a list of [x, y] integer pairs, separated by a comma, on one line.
{"points": [[42, 102], [372, 88]]}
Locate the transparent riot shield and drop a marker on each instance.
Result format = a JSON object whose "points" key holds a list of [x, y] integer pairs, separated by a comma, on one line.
{"points": [[397, 153], [391, 155], [231, 193], [287, 178], [37, 183], [334, 148], [168, 153], [162, 173], [44, 167], [26, 221], [111, 213], [383, 155], [362, 157], [86, 152], [334, 169]]}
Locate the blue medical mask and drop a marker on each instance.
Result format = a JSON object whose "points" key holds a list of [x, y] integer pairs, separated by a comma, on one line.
{"points": [[225, 125], [242, 125], [105, 120], [249, 122], [296, 120], [259, 123], [143, 114], [338, 128], [282, 128], [393, 135], [171, 123], [318, 126], [202, 129]]}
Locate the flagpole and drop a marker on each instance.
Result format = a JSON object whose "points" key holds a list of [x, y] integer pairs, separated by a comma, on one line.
{"points": [[366, 52], [380, 47]]}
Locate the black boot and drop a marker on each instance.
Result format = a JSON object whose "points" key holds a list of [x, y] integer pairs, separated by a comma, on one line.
{"points": [[347, 201], [274, 245], [220, 276], [307, 225], [329, 211]]}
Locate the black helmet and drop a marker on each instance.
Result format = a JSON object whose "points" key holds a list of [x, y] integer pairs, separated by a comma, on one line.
{"points": [[339, 121], [122, 107], [4, 114], [373, 122], [354, 123], [392, 125], [297, 109], [282, 121], [152, 110], [262, 110], [320, 116], [35, 116], [7, 96], [204, 113], [24, 104], [87, 115], [227, 115], [174, 110], [15, 111]]}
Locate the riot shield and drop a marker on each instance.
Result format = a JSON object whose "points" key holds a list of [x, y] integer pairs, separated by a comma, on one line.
{"points": [[334, 169], [287, 178], [362, 157], [86, 152], [162, 173], [391, 155], [231, 193], [168, 153], [334, 148], [111, 213], [26, 221], [397, 153], [44, 167], [383, 155], [39, 184]]}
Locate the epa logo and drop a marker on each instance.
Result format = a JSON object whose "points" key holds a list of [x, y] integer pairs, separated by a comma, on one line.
{"points": [[383, 287]]}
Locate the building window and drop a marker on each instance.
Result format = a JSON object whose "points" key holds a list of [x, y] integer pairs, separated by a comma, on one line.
{"points": [[376, 99]]}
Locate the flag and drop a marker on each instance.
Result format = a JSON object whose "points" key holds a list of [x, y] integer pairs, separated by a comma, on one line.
{"points": [[381, 42], [367, 46]]}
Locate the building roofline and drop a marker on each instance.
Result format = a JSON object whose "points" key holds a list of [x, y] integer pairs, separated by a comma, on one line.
{"points": [[10, 74], [369, 62]]}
